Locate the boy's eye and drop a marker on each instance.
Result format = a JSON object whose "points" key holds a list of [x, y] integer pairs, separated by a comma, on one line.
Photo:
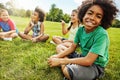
{"points": [[89, 13], [99, 16]]}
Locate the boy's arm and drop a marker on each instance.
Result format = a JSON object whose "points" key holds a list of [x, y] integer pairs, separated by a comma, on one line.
{"points": [[84, 61]]}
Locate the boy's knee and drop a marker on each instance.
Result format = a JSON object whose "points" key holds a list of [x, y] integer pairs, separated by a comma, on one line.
{"points": [[66, 73]]}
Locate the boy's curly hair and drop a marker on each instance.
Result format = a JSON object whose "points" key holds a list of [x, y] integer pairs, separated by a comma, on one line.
{"points": [[108, 7], [41, 13]]}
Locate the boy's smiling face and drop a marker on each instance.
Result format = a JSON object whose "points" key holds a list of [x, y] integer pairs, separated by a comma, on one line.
{"points": [[4, 16], [92, 18]]}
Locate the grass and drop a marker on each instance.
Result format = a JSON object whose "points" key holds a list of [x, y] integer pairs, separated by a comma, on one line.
{"points": [[24, 60]]}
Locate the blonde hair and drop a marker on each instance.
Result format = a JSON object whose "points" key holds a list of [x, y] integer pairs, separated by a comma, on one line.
{"points": [[3, 10]]}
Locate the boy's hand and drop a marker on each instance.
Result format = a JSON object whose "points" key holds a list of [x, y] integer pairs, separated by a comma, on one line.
{"points": [[54, 62]]}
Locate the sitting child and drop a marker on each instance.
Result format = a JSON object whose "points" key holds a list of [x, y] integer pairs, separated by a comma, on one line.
{"points": [[37, 26], [72, 29], [62, 43], [93, 40], [7, 25]]}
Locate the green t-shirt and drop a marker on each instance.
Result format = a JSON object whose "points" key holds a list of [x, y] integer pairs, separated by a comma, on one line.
{"points": [[96, 42]]}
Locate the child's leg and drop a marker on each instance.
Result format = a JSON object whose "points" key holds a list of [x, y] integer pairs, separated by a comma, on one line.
{"points": [[43, 38], [57, 39], [4, 34], [62, 47], [1, 35], [77, 72], [13, 35], [65, 71], [25, 36]]}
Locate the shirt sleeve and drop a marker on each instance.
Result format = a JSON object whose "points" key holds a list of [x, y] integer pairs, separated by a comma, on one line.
{"points": [[99, 46], [12, 25]]}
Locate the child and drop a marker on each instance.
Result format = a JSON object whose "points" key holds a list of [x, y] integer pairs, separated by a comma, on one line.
{"points": [[72, 29], [96, 16], [62, 43], [7, 25], [37, 26]]}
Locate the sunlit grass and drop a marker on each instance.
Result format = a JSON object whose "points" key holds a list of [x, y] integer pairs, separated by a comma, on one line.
{"points": [[24, 60]]}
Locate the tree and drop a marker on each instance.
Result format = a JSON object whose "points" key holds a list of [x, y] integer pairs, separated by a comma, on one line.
{"points": [[28, 13], [59, 15], [116, 23], [66, 18], [10, 5], [52, 12], [2, 6], [56, 14]]}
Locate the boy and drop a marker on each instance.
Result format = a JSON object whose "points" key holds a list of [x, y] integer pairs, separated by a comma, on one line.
{"points": [[96, 16], [7, 26]]}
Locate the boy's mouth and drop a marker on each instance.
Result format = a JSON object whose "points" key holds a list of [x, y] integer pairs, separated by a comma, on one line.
{"points": [[90, 23]]}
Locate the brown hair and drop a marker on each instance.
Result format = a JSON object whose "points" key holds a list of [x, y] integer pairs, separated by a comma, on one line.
{"points": [[76, 11], [41, 13], [108, 7]]}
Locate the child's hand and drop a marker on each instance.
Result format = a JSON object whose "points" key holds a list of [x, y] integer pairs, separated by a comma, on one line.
{"points": [[34, 39], [63, 22], [54, 62], [31, 23]]}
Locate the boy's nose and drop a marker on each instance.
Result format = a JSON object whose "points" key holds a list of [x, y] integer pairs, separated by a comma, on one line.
{"points": [[92, 17]]}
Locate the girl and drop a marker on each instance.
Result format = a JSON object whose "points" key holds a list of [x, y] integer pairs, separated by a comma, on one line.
{"points": [[7, 25], [96, 16], [72, 29], [37, 26], [63, 43]]}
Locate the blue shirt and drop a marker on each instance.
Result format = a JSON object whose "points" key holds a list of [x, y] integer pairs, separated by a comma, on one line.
{"points": [[5, 27]]}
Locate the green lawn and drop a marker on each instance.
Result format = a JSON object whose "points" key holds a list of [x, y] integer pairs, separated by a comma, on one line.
{"points": [[24, 60]]}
